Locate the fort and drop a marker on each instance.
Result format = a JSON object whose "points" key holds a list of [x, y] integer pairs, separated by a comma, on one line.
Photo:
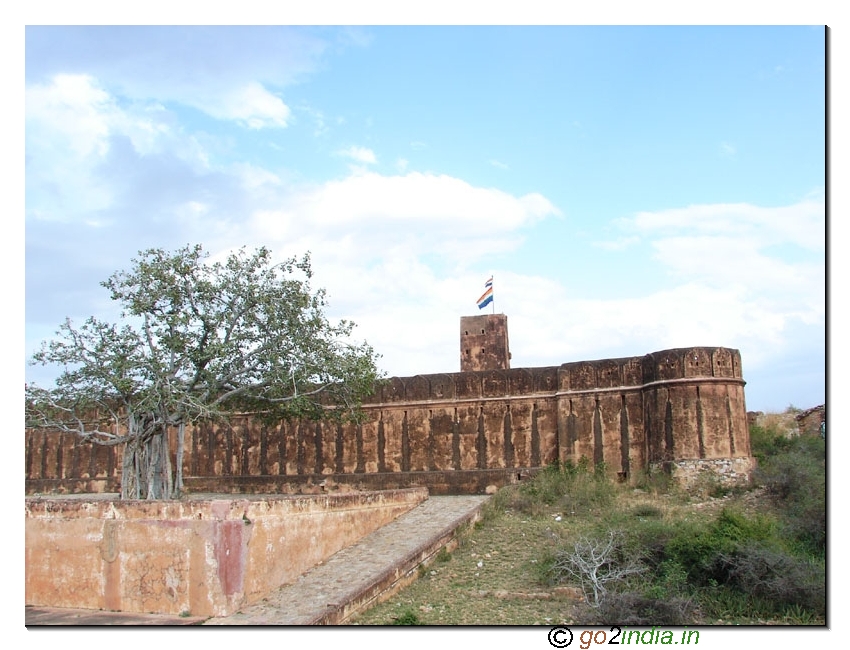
{"points": [[681, 411], [267, 502]]}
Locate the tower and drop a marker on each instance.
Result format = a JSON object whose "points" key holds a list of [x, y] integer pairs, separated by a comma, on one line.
{"points": [[484, 343]]}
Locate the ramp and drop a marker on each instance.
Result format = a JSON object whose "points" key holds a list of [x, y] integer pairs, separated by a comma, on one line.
{"points": [[366, 572]]}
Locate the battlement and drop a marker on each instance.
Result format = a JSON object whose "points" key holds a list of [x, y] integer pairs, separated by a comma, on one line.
{"points": [[627, 373]]}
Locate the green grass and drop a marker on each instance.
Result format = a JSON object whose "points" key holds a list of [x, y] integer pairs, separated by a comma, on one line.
{"points": [[735, 559]]}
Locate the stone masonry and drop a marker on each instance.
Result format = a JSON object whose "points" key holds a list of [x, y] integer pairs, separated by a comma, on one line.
{"points": [[461, 432]]}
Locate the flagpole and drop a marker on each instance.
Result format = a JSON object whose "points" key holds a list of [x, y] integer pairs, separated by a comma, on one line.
{"points": [[493, 302]]}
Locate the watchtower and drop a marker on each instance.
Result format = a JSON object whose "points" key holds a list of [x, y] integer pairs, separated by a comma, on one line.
{"points": [[484, 343]]}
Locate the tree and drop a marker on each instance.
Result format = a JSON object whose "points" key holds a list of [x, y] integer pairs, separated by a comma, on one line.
{"points": [[596, 562], [199, 340]]}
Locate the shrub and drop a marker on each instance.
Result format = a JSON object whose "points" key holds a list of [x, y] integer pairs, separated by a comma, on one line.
{"points": [[796, 477], [696, 547], [776, 576], [594, 563], [669, 580], [510, 497], [546, 486], [650, 538], [658, 482], [736, 526], [585, 488], [767, 441], [631, 609], [575, 488], [407, 617], [647, 511]]}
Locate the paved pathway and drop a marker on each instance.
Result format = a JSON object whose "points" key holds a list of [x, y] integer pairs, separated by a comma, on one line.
{"points": [[322, 594], [354, 570], [67, 616]]}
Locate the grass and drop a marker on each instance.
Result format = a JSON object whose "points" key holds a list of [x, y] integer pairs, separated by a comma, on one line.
{"points": [[702, 552]]}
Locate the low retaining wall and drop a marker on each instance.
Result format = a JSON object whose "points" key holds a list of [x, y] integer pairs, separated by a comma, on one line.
{"points": [[199, 556]]}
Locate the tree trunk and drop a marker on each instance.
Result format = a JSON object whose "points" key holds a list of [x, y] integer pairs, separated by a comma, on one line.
{"points": [[178, 483], [146, 468]]}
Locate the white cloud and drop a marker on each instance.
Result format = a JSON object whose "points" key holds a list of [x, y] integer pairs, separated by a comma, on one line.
{"points": [[730, 261], [254, 177], [228, 72], [498, 164], [358, 154], [801, 224], [72, 127], [79, 110], [393, 239], [251, 105], [405, 256], [727, 149], [753, 272], [417, 198]]}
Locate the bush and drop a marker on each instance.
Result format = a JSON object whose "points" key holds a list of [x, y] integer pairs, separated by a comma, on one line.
{"points": [[669, 580], [647, 511], [650, 537], [631, 609], [734, 525], [407, 617], [696, 552], [510, 497], [697, 547], [658, 482], [574, 488], [780, 578], [796, 477], [767, 441]]}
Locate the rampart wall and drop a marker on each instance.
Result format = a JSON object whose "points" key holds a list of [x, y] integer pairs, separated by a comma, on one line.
{"points": [[682, 410]]}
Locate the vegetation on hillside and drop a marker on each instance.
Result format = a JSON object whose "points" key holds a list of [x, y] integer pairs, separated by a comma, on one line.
{"points": [[572, 547]]}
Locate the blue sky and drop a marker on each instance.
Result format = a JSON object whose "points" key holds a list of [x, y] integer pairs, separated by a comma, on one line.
{"points": [[630, 189]]}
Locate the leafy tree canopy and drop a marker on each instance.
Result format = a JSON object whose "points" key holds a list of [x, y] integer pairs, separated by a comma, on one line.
{"points": [[199, 340]]}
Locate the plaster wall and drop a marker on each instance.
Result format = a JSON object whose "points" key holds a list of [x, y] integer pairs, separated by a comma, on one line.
{"points": [[208, 557]]}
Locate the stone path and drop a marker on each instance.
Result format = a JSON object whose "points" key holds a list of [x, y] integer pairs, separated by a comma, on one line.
{"points": [[34, 616], [330, 592], [325, 593]]}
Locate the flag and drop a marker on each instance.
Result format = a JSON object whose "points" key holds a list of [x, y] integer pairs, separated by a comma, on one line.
{"points": [[487, 297]]}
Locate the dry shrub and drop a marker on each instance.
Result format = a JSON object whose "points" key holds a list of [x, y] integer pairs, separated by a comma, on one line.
{"points": [[631, 609], [782, 579]]}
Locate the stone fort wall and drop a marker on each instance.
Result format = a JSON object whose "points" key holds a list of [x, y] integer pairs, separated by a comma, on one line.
{"points": [[682, 410]]}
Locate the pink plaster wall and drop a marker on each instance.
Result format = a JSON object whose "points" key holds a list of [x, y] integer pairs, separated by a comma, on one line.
{"points": [[207, 557]]}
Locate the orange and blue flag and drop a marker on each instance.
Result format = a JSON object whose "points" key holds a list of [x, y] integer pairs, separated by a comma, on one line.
{"points": [[487, 297]]}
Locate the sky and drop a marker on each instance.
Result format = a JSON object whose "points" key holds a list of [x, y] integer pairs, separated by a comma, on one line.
{"points": [[629, 189]]}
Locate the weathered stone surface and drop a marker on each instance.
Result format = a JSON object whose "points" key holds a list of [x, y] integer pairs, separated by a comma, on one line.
{"points": [[630, 413], [205, 556], [484, 343]]}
